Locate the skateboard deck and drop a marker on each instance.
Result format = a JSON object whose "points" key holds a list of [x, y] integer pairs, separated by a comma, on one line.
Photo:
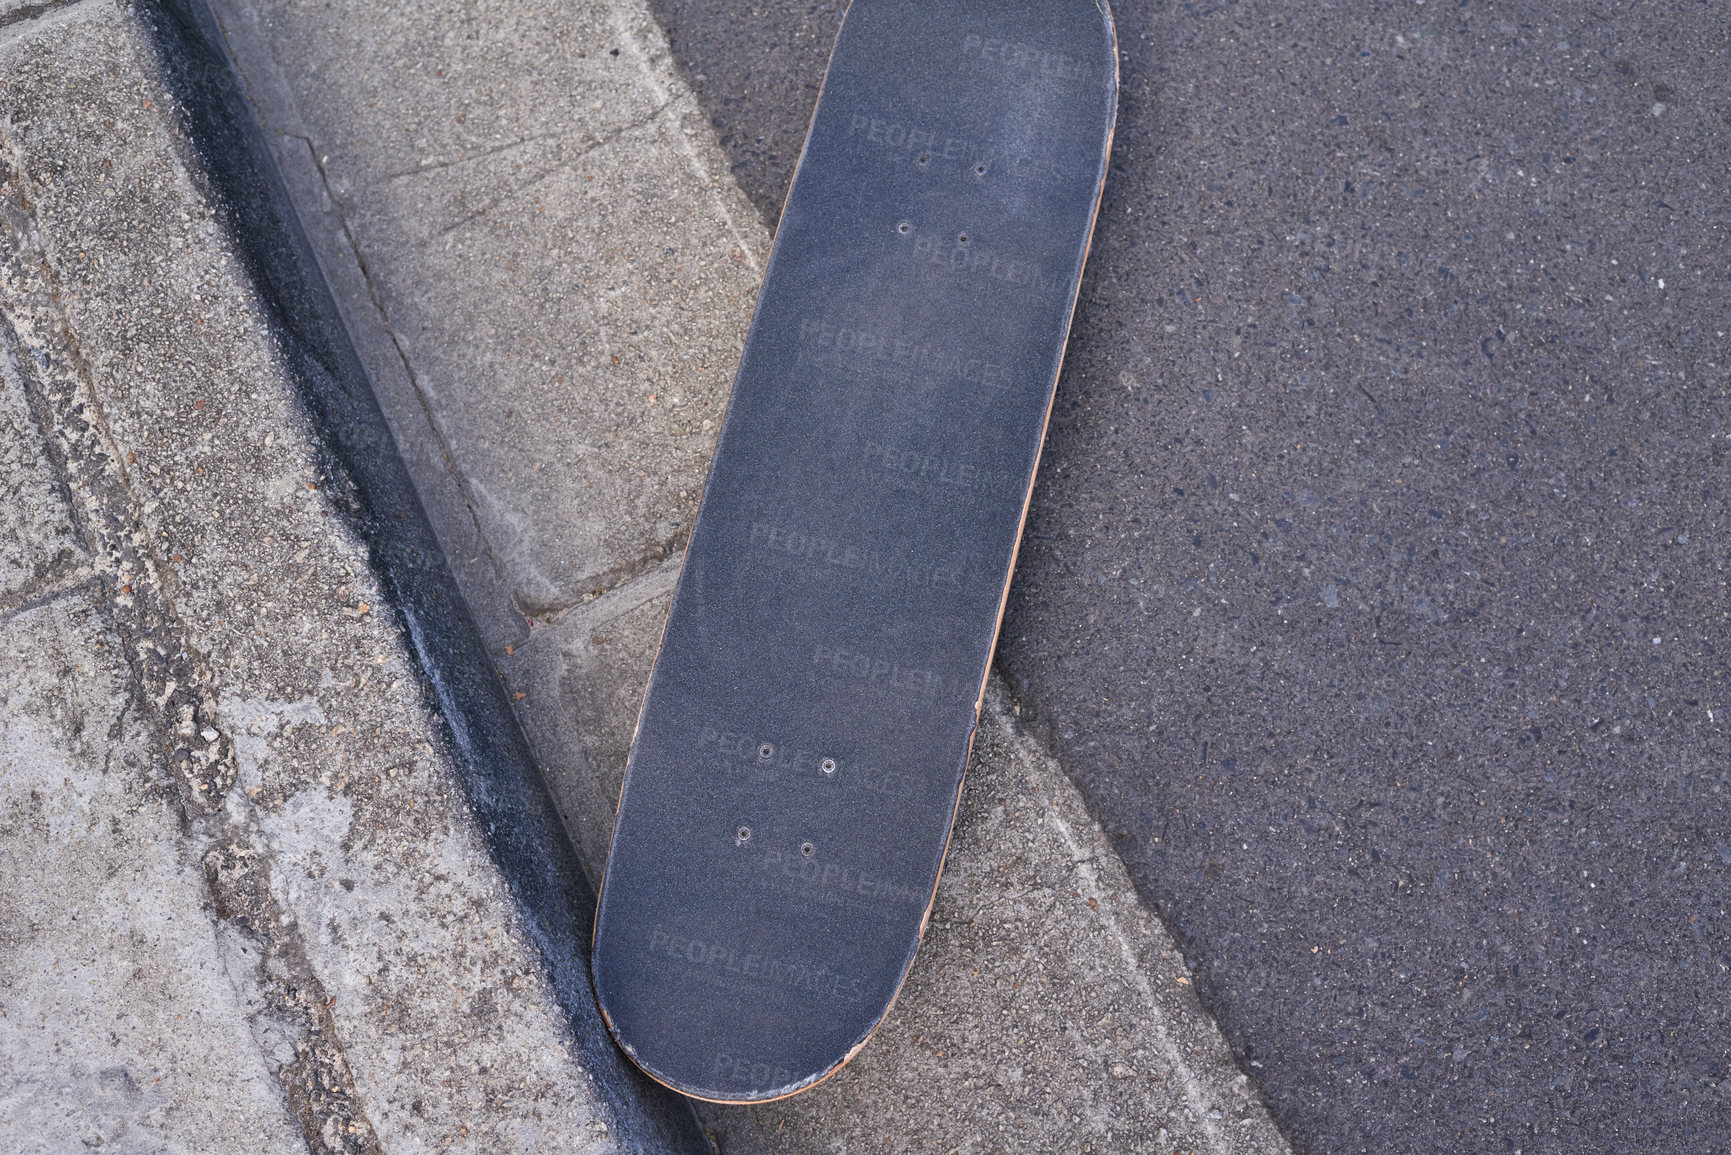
{"points": [[799, 756]]}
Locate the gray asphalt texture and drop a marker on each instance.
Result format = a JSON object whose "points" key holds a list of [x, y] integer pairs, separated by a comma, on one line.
{"points": [[1375, 586]]}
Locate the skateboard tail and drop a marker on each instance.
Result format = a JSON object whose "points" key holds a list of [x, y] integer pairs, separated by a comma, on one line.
{"points": [[798, 761], [729, 1097]]}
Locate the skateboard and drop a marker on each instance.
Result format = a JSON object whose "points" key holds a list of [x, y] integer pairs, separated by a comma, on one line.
{"points": [[798, 759]]}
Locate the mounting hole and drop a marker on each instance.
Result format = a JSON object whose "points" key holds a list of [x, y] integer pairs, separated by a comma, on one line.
{"points": [[962, 239], [766, 751], [742, 835], [904, 228], [827, 765], [807, 849]]}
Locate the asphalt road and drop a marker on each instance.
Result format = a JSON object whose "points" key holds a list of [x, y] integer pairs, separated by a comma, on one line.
{"points": [[1375, 589]]}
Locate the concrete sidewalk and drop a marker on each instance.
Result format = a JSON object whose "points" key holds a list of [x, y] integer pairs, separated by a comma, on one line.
{"points": [[262, 915]]}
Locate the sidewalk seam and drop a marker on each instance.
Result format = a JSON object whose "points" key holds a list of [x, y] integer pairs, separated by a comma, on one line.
{"points": [[633, 592]]}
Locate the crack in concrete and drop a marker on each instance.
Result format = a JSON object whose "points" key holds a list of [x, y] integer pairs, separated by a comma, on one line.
{"points": [[171, 678], [563, 165], [631, 26], [517, 190], [317, 1082], [437, 165], [55, 581]]}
